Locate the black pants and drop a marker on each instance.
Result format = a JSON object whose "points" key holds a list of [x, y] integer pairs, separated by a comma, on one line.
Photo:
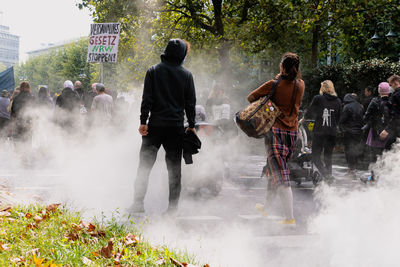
{"points": [[171, 138], [324, 143], [353, 149]]}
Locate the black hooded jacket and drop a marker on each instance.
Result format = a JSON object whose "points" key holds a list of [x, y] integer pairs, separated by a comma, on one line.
{"points": [[351, 120], [325, 109], [169, 90], [68, 99], [377, 115]]}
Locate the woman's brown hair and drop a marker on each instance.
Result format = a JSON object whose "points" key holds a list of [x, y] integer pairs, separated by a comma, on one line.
{"points": [[25, 87], [291, 65]]}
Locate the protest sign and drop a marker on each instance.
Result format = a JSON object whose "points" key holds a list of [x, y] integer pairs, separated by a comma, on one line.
{"points": [[103, 42]]}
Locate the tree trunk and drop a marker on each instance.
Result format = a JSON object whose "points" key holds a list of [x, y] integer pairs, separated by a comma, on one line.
{"points": [[314, 47]]}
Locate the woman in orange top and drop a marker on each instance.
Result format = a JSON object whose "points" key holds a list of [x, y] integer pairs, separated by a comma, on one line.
{"points": [[281, 140]]}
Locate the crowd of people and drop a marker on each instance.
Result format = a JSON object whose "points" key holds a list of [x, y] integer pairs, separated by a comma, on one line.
{"points": [[370, 125], [95, 107]]}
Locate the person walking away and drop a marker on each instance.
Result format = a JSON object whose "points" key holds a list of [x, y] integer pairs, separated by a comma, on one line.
{"points": [[351, 124], [68, 106], [102, 107], [368, 96], [168, 94], [21, 109], [4, 114], [325, 109], [377, 118], [44, 99], [392, 130], [281, 140]]}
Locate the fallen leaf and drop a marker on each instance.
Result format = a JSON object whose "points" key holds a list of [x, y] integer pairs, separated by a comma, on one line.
{"points": [[31, 226], [17, 260], [37, 261], [37, 219], [28, 215], [87, 261], [4, 247], [4, 213], [6, 209], [106, 251], [91, 227], [72, 236], [76, 227], [117, 257], [98, 233], [131, 239], [160, 262], [138, 253], [52, 207], [33, 252], [176, 263], [206, 265], [95, 254]]}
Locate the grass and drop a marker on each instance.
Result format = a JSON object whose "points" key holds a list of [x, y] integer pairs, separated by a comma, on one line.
{"points": [[54, 236]]}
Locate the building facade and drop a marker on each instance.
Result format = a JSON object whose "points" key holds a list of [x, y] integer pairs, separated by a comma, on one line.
{"points": [[9, 47]]}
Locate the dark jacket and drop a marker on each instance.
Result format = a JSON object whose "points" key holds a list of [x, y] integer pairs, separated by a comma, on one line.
{"points": [[169, 90], [366, 101], [394, 123], [68, 99], [191, 145], [21, 104], [80, 92], [88, 99], [377, 115], [325, 109], [351, 120]]}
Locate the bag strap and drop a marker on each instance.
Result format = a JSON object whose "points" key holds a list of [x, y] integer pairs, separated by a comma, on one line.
{"points": [[294, 96], [271, 95]]}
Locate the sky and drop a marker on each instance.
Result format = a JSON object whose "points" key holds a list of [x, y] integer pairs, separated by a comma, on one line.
{"points": [[44, 21]]}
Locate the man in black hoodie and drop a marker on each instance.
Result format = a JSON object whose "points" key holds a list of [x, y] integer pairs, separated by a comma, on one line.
{"points": [[168, 94], [351, 123]]}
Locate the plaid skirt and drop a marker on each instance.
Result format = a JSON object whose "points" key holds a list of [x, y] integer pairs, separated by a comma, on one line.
{"points": [[279, 145]]}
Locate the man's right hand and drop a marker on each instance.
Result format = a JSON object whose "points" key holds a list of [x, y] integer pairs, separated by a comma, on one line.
{"points": [[143, 129]]}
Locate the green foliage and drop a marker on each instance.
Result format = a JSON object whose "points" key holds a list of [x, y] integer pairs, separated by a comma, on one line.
{"points": [[35, 236], [349, 78], [57, 66]]}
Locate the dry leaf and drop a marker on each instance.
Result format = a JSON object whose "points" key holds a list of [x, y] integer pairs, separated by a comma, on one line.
{"points": [[4, 247], [176, 263], [17, 260], [106, 251], [33, 251], [131, 239], [117, 257], [138, 253], [87, 261], [98, 233], [6, 209], [31, 226], [206, 265], [72, 236], [37, 219], [4, 213], [52, 207], [28, 215], [91, 227], [160, 262], [95, 254], [76, 227]]}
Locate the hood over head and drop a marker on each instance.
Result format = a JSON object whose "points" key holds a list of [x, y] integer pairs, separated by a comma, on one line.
{"points": [[69, 84], [348, 98], [175, 52]]}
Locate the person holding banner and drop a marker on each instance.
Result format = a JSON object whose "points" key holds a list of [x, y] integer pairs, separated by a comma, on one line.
{"points": [[168, 94]]}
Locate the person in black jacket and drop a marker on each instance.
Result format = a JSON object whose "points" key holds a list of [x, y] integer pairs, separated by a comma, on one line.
{"points": [[392, 130], [368, 96], [168, 94], [69, 99], [351, 124], [377, 118], [325, 109], [20, 113]]}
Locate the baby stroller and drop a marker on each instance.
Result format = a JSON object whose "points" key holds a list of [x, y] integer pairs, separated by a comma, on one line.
{"points": [[301, 167]]}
